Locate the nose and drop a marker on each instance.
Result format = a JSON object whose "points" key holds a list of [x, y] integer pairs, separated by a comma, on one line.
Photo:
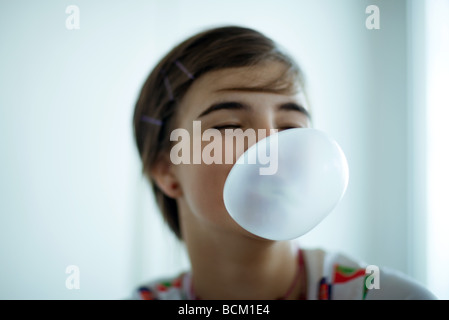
{"points": [[264, 128], [258, 129]]}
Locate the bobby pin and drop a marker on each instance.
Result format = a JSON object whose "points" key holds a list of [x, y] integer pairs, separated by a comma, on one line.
{"points": [[151, 120], [183, 69]]}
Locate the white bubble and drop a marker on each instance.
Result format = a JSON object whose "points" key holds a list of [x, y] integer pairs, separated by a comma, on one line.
{"points": [[310, 180]]}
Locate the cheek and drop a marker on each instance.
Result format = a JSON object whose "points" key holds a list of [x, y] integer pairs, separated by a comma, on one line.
{"points": [[202, 185], [203, 190]]}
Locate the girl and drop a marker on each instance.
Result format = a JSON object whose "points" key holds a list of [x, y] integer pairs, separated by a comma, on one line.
{"points": [[235, 78]]}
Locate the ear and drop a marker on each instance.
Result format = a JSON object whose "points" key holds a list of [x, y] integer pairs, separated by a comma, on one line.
{"points": [[166, 180]]}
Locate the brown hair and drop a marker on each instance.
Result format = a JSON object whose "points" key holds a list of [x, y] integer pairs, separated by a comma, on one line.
{"points": [[214, 49]]}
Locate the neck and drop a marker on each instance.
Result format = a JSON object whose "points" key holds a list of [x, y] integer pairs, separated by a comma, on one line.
{"points": [[236, 266]]}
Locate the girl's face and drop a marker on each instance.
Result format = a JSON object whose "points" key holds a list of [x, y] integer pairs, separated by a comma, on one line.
{"points": [[226, 99]]}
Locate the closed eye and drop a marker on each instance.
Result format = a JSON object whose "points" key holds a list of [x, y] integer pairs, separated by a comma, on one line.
{"points": [[289, 127], [227, 126]]}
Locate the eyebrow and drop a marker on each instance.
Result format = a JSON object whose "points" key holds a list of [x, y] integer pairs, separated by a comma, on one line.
{"points": [[232, 105]]}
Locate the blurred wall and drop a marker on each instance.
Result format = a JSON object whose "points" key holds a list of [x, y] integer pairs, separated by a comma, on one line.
{"points": [[70, 182]]}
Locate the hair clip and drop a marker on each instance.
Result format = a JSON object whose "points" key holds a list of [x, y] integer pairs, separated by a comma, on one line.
{"points": [[183, 69], [151, 120]]}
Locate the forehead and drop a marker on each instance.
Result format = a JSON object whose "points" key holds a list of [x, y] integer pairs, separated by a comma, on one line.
{"points": [[223, 82], [252, 76]]}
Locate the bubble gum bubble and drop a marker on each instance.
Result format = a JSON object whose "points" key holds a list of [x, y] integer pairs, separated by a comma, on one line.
{"points": [[308, 178]]}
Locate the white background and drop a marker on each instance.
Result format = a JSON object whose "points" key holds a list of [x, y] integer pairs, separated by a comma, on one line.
{"points": [[71, 192]]}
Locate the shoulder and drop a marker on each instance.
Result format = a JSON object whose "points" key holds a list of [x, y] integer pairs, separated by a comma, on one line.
{"points": [[168, 288], [396, 285], [337, 276]]}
